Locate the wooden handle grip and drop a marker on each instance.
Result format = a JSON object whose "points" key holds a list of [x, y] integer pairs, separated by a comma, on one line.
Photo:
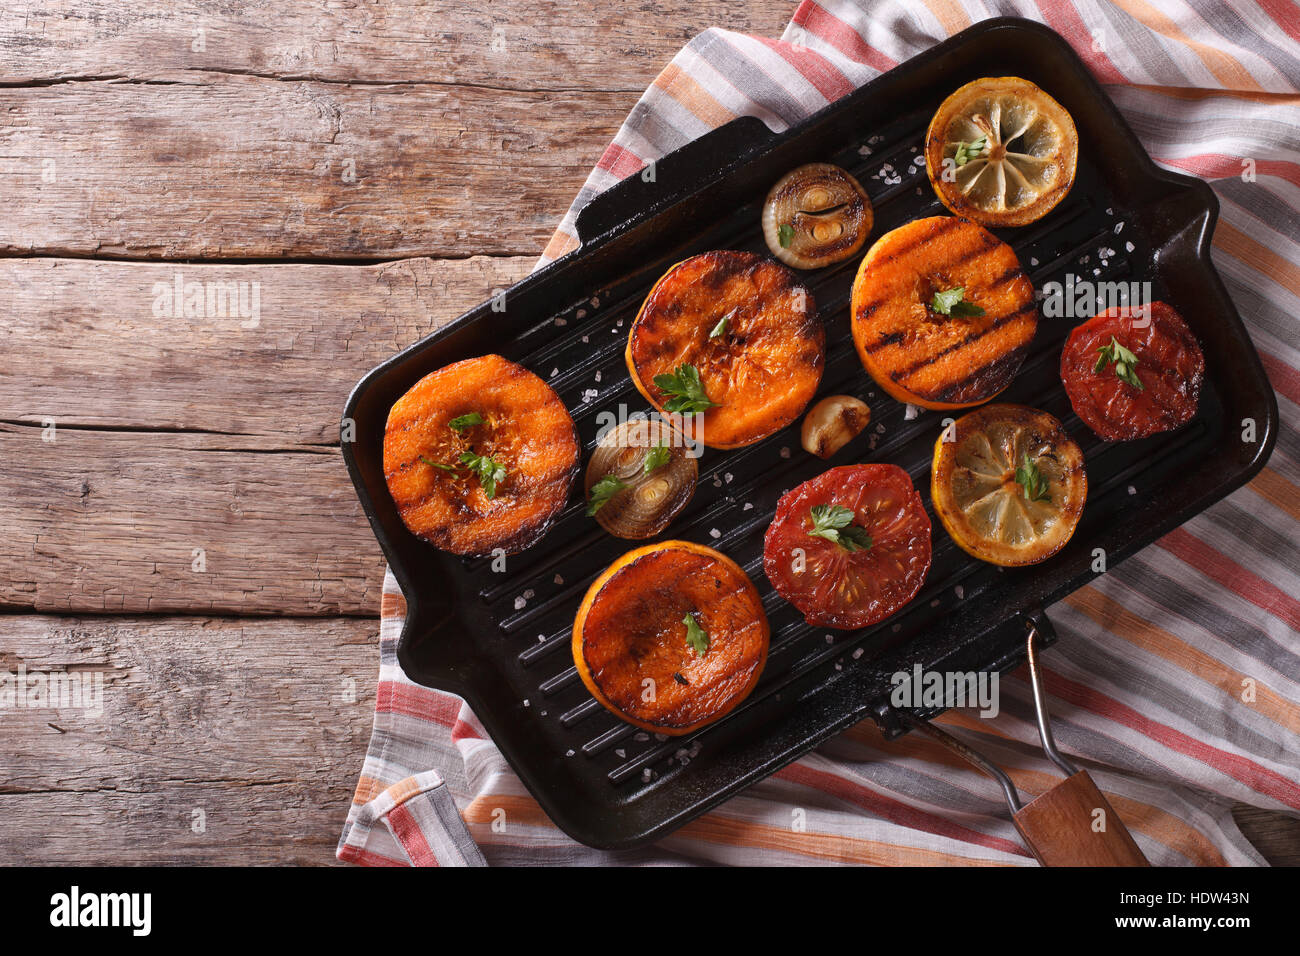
{"points": [[1073, 824]]}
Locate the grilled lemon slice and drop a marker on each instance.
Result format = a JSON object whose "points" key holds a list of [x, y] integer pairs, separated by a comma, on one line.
{"points": [[1001, 151], [1008, 484]]}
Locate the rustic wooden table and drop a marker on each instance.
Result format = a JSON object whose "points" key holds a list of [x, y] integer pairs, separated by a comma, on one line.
{"points": [[179, 516]]}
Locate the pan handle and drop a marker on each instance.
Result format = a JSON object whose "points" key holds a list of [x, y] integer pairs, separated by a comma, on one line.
{"points": [[1073, 824], [684, 171]]}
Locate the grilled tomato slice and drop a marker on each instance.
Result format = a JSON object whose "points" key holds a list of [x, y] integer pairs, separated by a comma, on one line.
{"points": [[1008, 484], [849, 547], [731, 335], [671, 637], [480, 455], [1129, 375], [942, 313], [1001, 151]]}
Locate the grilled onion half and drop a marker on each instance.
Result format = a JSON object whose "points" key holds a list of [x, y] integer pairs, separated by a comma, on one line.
{"points": [[816, 215], [627, 498]]}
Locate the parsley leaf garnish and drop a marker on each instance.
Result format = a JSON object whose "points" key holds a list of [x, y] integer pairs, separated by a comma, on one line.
{"points": [[1125, 362], [835, 523], [657, 458], [684, 390], [489, 472], [721, 327], [1032, 481], [437, 464], [785, 235], [953, 302], [602, 491], [968, 151], [696, 636], [465, 421]]}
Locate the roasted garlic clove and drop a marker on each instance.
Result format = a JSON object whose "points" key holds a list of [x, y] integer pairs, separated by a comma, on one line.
{"points": [[832, 423], [816, 215]]}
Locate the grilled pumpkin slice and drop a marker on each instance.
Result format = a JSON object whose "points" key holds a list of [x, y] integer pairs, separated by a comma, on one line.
{"points": [[916, 352], [747, 328], [480, 455], [640, 658]]}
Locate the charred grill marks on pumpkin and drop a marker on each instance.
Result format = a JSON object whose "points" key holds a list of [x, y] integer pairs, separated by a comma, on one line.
{"points": [[987, 244], [970, 339], [630, 628], [983, 379], [932, 234], [1014, 272], [525, 428], [768, 338], [920, 355]]}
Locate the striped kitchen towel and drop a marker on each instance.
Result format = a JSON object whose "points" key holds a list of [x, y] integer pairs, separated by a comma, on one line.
{"points": [[1175, 682]]}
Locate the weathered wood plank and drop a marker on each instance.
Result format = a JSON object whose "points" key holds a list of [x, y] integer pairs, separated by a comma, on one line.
{"points": [[220, 433], [1275, 835], [219, 167], [148, 522], [84, 346], [525, 44], [259, 725]]}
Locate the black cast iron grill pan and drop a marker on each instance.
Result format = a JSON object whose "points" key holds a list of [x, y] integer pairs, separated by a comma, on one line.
{"points": [[501, 640]]}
